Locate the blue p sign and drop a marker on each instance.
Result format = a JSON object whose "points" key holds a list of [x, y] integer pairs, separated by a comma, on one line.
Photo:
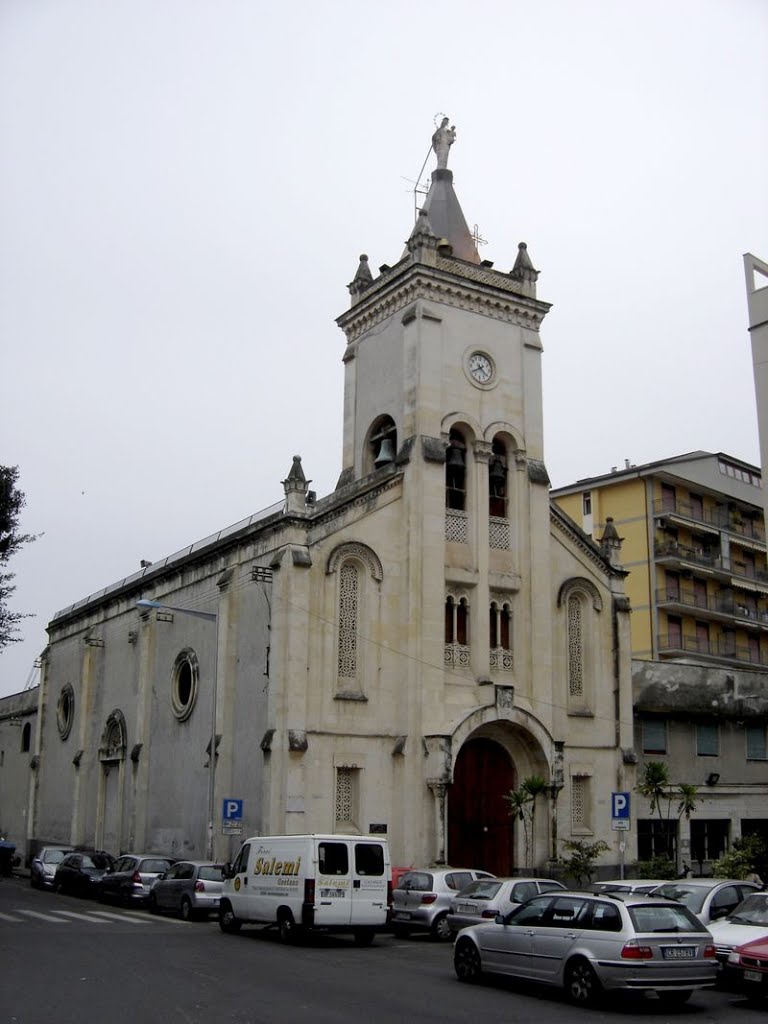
{"points": [[233, 810], [619, 805]]}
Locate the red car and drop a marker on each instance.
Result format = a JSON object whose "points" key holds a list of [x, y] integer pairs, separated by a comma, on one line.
{"points": [[750, 963]]}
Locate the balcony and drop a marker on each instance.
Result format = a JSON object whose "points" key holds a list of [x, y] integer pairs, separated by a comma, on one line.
{"points": [[721, 608], [713, 521], [719, 649], [673, 554]]}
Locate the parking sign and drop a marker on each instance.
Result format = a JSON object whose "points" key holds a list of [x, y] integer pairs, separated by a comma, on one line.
{"points": [[232, 810], [619, 805]]}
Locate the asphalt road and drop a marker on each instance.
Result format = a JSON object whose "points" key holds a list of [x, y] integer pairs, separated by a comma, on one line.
{"points": [[67, 960]]}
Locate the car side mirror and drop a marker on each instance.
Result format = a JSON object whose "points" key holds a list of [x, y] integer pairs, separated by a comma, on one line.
{"points": [[161, 875], [500, 919]]}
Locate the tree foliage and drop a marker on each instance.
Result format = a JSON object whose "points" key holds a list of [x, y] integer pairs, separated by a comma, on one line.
{"points": [[661, 793], [522, 806], [749, 856], [582, 858], [12, 501]]}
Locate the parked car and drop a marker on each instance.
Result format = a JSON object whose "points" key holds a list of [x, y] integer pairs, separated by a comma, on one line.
{"points": [[43, 866], [708, 898], [750, 964], [484, 898], [639, 886], [423, 898], [80, 872], [585, 944], [190, 888], [747, 922], [131, 877]]}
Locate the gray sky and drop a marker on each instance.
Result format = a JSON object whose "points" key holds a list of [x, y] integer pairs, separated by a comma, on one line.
{"points": [[186, 186]]}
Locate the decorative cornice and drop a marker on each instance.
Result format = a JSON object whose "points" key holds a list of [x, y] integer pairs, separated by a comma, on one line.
{"points": [[476, 289], [364, 554]]}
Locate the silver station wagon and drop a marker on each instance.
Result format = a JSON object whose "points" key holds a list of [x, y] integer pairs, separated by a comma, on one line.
{"points": [[587, 944]]}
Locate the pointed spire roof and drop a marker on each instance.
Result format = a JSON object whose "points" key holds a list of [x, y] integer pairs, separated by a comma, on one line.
{"points": [[446, 218]]}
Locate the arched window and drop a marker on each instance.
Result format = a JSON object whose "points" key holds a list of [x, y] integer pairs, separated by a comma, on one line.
{"points": [[65, 710], [456, 471], [26, 737], [184, 684], [575, 648], [501, 637], [382, 445], [349, 601], [457, 632], [497, 480]]}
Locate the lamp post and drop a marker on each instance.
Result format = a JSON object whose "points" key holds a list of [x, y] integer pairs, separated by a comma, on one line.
{"points": [[210, 617]]}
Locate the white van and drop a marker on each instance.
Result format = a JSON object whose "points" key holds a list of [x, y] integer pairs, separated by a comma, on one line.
{"points": [[333, 883]]}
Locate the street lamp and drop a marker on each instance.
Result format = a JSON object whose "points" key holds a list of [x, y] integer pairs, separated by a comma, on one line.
{"points": [[210, 617]]}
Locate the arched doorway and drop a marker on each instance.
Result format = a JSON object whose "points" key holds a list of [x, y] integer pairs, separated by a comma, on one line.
{"points": [[480, 830]]}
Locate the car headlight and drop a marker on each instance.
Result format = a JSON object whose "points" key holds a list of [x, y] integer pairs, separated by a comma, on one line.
{"points": [[733, 957]]}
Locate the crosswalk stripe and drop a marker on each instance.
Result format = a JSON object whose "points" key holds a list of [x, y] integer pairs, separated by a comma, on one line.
{"points": [[117, 917], [13, 920], [43, 917], [82, 917]]}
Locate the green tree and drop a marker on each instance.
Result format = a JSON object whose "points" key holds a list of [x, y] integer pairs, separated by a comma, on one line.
{"points": [[522, 806], [12, 501], [660, 792], [748, 857], [581, 859]]}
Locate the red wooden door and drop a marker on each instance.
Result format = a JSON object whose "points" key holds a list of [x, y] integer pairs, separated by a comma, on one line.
{"points": [[480, 829]]}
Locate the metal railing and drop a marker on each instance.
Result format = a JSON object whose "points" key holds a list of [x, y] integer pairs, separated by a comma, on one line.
{"points": [[672, 550], [722, 604], [720, 519], [717, 648]]}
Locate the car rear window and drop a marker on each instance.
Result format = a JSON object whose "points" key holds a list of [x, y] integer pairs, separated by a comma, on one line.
{"points": [[661, 918], [333, 858], [154, 867], [522, 892], [421, 881], [214, 873], [692, 896], [482, 889]]}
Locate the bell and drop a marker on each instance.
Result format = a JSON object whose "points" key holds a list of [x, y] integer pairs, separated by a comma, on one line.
{"points": [[386, 453], [497, 472], [455, 457]]}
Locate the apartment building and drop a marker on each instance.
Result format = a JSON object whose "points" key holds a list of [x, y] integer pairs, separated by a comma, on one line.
{"points": [[693, 542]]}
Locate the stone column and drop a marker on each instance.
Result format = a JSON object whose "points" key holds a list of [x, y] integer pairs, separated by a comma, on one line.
{"points": [[440, 792]]}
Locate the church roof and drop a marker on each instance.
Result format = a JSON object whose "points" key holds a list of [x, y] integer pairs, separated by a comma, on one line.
{"points": [[446, 218]]}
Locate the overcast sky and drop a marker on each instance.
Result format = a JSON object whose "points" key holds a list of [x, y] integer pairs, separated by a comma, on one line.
{"points": [[186, 186]]}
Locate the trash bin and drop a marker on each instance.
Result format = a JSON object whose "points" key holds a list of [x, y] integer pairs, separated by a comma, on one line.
{"points": [[7, 851]]}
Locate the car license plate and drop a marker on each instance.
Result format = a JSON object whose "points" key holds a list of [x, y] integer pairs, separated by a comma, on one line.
{"points": [[678, 952], [402, 915], [465, 908], [753, 976]]}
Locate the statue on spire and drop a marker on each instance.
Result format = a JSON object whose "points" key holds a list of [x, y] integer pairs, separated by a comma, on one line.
{"points": [[442, 140]]}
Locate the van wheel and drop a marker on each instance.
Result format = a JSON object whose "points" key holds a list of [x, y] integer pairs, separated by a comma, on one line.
{"points": [[227, 920], [364, 936], [441, 930], [290, 932]]}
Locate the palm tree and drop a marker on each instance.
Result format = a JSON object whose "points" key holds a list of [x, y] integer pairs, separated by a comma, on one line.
{"points": [[655, 787], [518, 800], [535, 785], [688, 799]]}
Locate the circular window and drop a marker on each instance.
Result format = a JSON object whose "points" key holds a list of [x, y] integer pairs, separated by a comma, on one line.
{"points": [[65, 710], [184, 684]]}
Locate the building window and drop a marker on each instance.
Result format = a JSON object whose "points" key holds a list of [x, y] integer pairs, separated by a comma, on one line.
{"points": [[756, 745], [575, 648], [668, 498], [501, 637], [456, 632], [707, 739], [184, 684], [586, 503], [456, 471], [349, 596], [497, 481], [654, 736], [709, 839], [26, 737], [347, 796], [65, 710], [580, 803], [656, 839], [382, 444]]}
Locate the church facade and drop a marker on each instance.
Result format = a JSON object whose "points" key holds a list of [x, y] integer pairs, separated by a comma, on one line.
{"points": [[395, 657]]}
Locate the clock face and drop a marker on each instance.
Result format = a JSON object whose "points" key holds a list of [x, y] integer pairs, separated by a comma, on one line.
{"points": [[480, 367]]}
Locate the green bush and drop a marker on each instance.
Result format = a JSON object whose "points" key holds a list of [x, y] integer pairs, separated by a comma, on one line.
{"points": [[748, 856], [658, 867]]}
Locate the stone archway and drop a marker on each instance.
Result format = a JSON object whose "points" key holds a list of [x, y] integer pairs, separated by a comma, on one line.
{"points": [[481, 833]]}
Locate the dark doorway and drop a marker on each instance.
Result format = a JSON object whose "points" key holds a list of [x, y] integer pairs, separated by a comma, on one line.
{"points": [[480, 829]]}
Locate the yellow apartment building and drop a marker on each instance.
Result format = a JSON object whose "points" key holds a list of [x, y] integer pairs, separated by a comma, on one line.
{"points": [[693, 533]]}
